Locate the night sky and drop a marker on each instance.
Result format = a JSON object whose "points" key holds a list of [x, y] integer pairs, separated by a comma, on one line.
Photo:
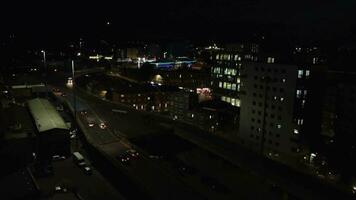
{"points": [[54, 21]]}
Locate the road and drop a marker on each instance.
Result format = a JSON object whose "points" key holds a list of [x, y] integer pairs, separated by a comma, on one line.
{"points": [[135, 124], [243, 183], [158, 183]]}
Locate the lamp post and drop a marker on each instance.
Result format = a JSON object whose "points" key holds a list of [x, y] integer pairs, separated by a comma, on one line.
{"points": [[74, 100], [45, 70], [44, 57]]}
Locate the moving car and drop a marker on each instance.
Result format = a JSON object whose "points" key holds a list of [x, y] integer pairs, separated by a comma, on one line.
{"points": [[124, 158], [102, 125], [132, 153]]}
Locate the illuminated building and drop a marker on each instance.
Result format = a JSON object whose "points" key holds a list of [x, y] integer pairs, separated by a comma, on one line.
{"points": [[226, 71], [210, 115], [277, 108]]}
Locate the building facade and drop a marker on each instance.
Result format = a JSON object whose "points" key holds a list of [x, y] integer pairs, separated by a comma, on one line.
{"points": [[273, 108], [226, 71]]}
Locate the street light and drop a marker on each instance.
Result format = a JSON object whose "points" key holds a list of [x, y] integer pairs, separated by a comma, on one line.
{"points": [[45, 70], [74, 99], [44, 57]]}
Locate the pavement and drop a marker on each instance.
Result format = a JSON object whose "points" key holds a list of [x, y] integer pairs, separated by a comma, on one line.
{"points": [[68, 174]]}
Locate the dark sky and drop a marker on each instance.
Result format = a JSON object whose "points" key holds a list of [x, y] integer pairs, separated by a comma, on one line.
{"points": [[61, 20]]}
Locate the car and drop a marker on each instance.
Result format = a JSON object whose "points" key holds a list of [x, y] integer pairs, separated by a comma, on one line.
{"points": [[91, 124], [82, 164], [186, 170], [60, 189], [214, 184], [123, 158], [73, 132], [132, 153], [102, 125], [56, 90], [83, 112], [88, 170], [156, 157], [58, 157]]}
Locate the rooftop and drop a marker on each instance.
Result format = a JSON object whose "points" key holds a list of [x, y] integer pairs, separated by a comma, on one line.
{"points": [[45, 115]]}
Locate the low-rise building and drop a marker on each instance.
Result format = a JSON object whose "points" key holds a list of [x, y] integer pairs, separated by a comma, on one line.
{"points": [[53, 134]]}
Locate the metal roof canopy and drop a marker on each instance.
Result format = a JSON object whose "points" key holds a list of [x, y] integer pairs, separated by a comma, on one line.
{"points": [[45, 115]]}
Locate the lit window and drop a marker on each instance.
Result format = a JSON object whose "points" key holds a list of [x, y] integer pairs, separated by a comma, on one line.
{"points": [[233, 86], [238, 80], [238, 102], [235, 57], [233, 101], [220, 84], [296, 131], [283, 80], [270, 60], [315, 60], [279, 126], [238, 87], [225, 86], [299, 93], [307, 73], [282, 99], [300, 73], [192, 115], [216, 70]]}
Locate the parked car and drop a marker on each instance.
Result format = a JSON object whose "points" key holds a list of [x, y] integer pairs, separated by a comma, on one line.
{"points": [[58, 157], [88, 170]]}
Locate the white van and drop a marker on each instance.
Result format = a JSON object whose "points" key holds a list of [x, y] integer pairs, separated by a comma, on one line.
{"points": [[78, 158]]}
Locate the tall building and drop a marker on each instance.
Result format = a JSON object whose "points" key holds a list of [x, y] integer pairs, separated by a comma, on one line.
{"points": [[338, 127], [226, 71], [273, 108]]}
